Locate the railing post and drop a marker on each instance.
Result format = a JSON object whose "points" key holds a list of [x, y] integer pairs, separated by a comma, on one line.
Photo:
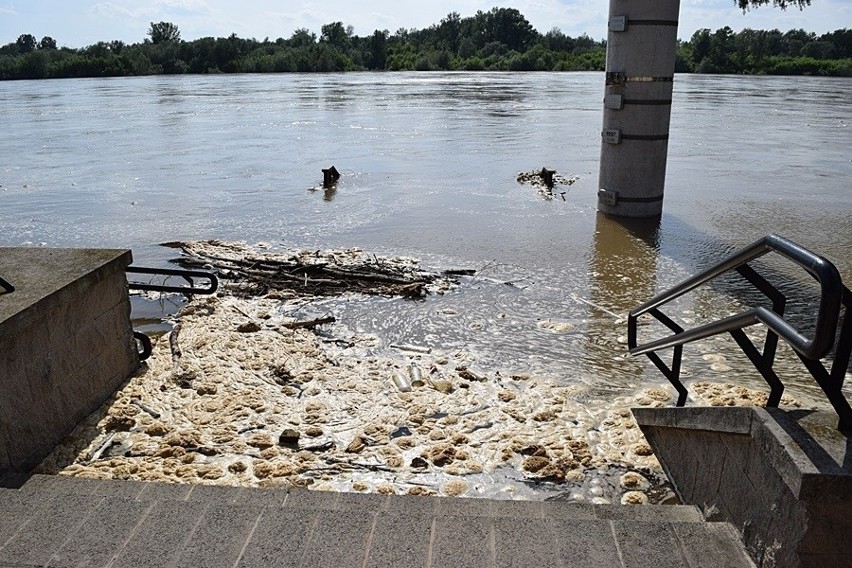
{"points": [[640, 62]]}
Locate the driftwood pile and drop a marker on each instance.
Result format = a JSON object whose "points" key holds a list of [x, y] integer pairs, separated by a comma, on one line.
{"points": [[538, 180], [250, 272], [545, 182]]}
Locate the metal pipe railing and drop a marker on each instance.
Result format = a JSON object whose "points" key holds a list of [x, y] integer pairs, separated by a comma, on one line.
{"points": [[143, 343], [831, 288], [187, 275], [833, 295]]}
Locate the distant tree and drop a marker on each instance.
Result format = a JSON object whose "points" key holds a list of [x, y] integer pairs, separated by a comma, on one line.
{"points": [[746, 4], [163, 32], [302, 38], [100, 49], [47, 42], [818, 49], [701, 41], [466, 48], [378, 50], [449, 30], [583, 44], [557, 41], [335, 35], [508, 26], [34, 65], [26, 43], [841, 40]]}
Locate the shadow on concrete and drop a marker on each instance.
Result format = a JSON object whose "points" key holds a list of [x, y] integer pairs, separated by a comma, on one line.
{"points": [[829, 449]]}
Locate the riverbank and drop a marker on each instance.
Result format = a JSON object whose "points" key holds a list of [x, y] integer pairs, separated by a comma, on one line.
{"points": [[242, 393]]}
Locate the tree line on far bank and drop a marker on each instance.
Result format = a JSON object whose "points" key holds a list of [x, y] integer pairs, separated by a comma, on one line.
{"points": [[498, 40]]}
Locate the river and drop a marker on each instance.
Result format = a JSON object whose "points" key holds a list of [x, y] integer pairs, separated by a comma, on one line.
{"points": [[428, 163]]}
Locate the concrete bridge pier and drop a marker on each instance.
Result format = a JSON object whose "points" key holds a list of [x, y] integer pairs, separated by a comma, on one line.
{"points": [[640, 61]]}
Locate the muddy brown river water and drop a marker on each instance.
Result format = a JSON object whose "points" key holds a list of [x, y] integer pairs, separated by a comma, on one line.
{"points": [[429, 164]]}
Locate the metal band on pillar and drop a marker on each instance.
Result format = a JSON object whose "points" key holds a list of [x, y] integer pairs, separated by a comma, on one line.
{"points": [[641, 48]]}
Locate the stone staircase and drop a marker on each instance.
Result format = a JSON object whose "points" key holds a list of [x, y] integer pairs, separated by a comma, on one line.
{"points": [[65, 522]]}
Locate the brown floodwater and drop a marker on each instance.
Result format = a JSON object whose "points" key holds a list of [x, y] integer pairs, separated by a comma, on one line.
{"points": [[429, 164]]}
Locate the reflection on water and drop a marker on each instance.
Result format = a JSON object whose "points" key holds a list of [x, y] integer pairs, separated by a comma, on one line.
{"points": [[623, 274], [623, 266], [430, 163]]}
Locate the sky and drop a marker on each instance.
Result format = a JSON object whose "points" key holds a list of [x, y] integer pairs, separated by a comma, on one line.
{"points": [[79, 23]]}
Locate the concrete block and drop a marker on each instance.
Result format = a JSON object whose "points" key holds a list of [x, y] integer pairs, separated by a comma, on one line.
{"points": [[412, 504], [524, 542], [279, 539], [825, 561], [523, 509], [648, 544], [103, 533], [16, 509], [250, 496], [716, 544], [786, 486], [161, 536], [212, 494], [39, 482], [826, 521], [569, 511], [400, 539], [65, 484], [585, 544], [734, 420], [66, 345], [219, 537], [461, 507], [47, 530], [311, 500], [665, 513], [684, 471], [463, 542], [361, 502], [339, 539], [154, 491]]}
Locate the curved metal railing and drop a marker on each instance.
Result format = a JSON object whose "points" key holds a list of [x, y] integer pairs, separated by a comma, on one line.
{"points": [[833, 295], [159, 283]]}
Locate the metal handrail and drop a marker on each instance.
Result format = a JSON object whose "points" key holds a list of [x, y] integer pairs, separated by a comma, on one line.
{"points": [[188, 275], [829, 307], [143, 342], [833, 294]]}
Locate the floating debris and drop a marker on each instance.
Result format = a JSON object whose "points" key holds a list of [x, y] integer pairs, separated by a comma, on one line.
{"points": [[545, 181], [248, 272], [255, 398], [330, 177]]}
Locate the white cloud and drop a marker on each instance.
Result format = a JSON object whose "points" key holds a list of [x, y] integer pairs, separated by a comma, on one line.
{"points": [[113, 10], [10, 10], [184, 4]]}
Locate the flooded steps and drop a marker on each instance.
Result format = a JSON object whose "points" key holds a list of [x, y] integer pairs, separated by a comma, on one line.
{"points": [[60, 521]]}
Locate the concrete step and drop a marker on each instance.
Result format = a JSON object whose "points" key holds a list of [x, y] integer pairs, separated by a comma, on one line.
{"points": [[86, 530], [65, 522], [320, 500]]}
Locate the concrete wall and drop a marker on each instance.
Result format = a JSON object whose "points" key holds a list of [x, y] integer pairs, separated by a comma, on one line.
{"points": [[783, 479], [66, 345]]}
